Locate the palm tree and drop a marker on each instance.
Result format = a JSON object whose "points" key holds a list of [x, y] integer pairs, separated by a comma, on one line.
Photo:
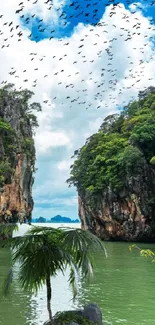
{"points": [[6, 230], [43, 251]]}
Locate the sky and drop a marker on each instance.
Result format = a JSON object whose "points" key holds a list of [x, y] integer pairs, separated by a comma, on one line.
{"points": [[74, 86]]}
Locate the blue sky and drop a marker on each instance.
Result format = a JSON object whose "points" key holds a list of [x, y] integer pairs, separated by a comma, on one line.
{"points": [[86, 12], [84, 75]]}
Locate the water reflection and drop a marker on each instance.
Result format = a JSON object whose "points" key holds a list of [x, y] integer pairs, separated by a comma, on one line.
{"points": [[61, 298], [25, 308], [16, 308], [123, 286]]}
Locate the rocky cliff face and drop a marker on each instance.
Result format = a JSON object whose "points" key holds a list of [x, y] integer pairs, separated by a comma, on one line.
{"points": [[128, 215], [16, 201], [114, 173], [17, 158]]}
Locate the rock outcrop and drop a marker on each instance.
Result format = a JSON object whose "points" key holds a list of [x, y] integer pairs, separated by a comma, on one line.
{"points": [[127, 215], [16, 201], [90, 314], [17, 156], [114, 174]]}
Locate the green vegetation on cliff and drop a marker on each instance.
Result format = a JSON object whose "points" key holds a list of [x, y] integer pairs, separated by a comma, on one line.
{"points": [[123, 145], [17, 123]]}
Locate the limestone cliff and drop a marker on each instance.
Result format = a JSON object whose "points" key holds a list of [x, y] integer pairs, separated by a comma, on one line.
{"points": [[114, 173], [127, 215], [17, 155]]}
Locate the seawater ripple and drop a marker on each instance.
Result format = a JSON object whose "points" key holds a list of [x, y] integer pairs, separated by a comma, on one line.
{"points": [[123, 286]]}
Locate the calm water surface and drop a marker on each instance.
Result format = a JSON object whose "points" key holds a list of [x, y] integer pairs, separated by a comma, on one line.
{"points": [[123, 286]]}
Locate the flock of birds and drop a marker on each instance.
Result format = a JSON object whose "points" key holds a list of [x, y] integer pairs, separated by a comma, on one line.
{"points": [[108, 74]]}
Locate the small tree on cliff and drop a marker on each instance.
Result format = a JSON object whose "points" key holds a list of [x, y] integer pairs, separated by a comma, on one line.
{"points": [[43, 251]]}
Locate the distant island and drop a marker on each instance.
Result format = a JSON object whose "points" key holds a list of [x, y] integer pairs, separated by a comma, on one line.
{"points": [[56, 219]]}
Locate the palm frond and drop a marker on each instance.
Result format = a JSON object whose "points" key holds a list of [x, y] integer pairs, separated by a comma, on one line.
{"points": [[45, 250], [7, 229], [81, 244], [72, 282], [5, 289], [42, 229], [80, 238]]}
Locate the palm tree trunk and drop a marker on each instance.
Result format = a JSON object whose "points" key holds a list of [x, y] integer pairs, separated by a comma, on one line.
{"points": [[49, 296]]}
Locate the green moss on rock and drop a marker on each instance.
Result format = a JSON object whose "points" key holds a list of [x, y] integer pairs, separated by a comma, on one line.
{"points": [[66, 317]]}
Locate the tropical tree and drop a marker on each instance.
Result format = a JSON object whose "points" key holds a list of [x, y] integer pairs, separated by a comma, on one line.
{"points": [[123, 145], [43, 251]]}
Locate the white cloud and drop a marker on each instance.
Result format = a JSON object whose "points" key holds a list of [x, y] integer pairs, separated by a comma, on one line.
{"points": [[46, 139], [138, 6], [125, 52], [64, 165], [58, 201]]}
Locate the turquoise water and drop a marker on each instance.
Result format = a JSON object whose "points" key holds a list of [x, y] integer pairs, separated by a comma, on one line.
{"points": [[123, 286]]}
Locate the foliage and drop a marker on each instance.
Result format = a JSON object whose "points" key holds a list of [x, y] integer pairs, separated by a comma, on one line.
{"points": [[143, 252], [58, 247], [11, 141], [5, 171], [4, 126], [152, 160], [67, 317], [6, 228], [28, 147], [123, 145], [43, 251], [20, 98]]}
